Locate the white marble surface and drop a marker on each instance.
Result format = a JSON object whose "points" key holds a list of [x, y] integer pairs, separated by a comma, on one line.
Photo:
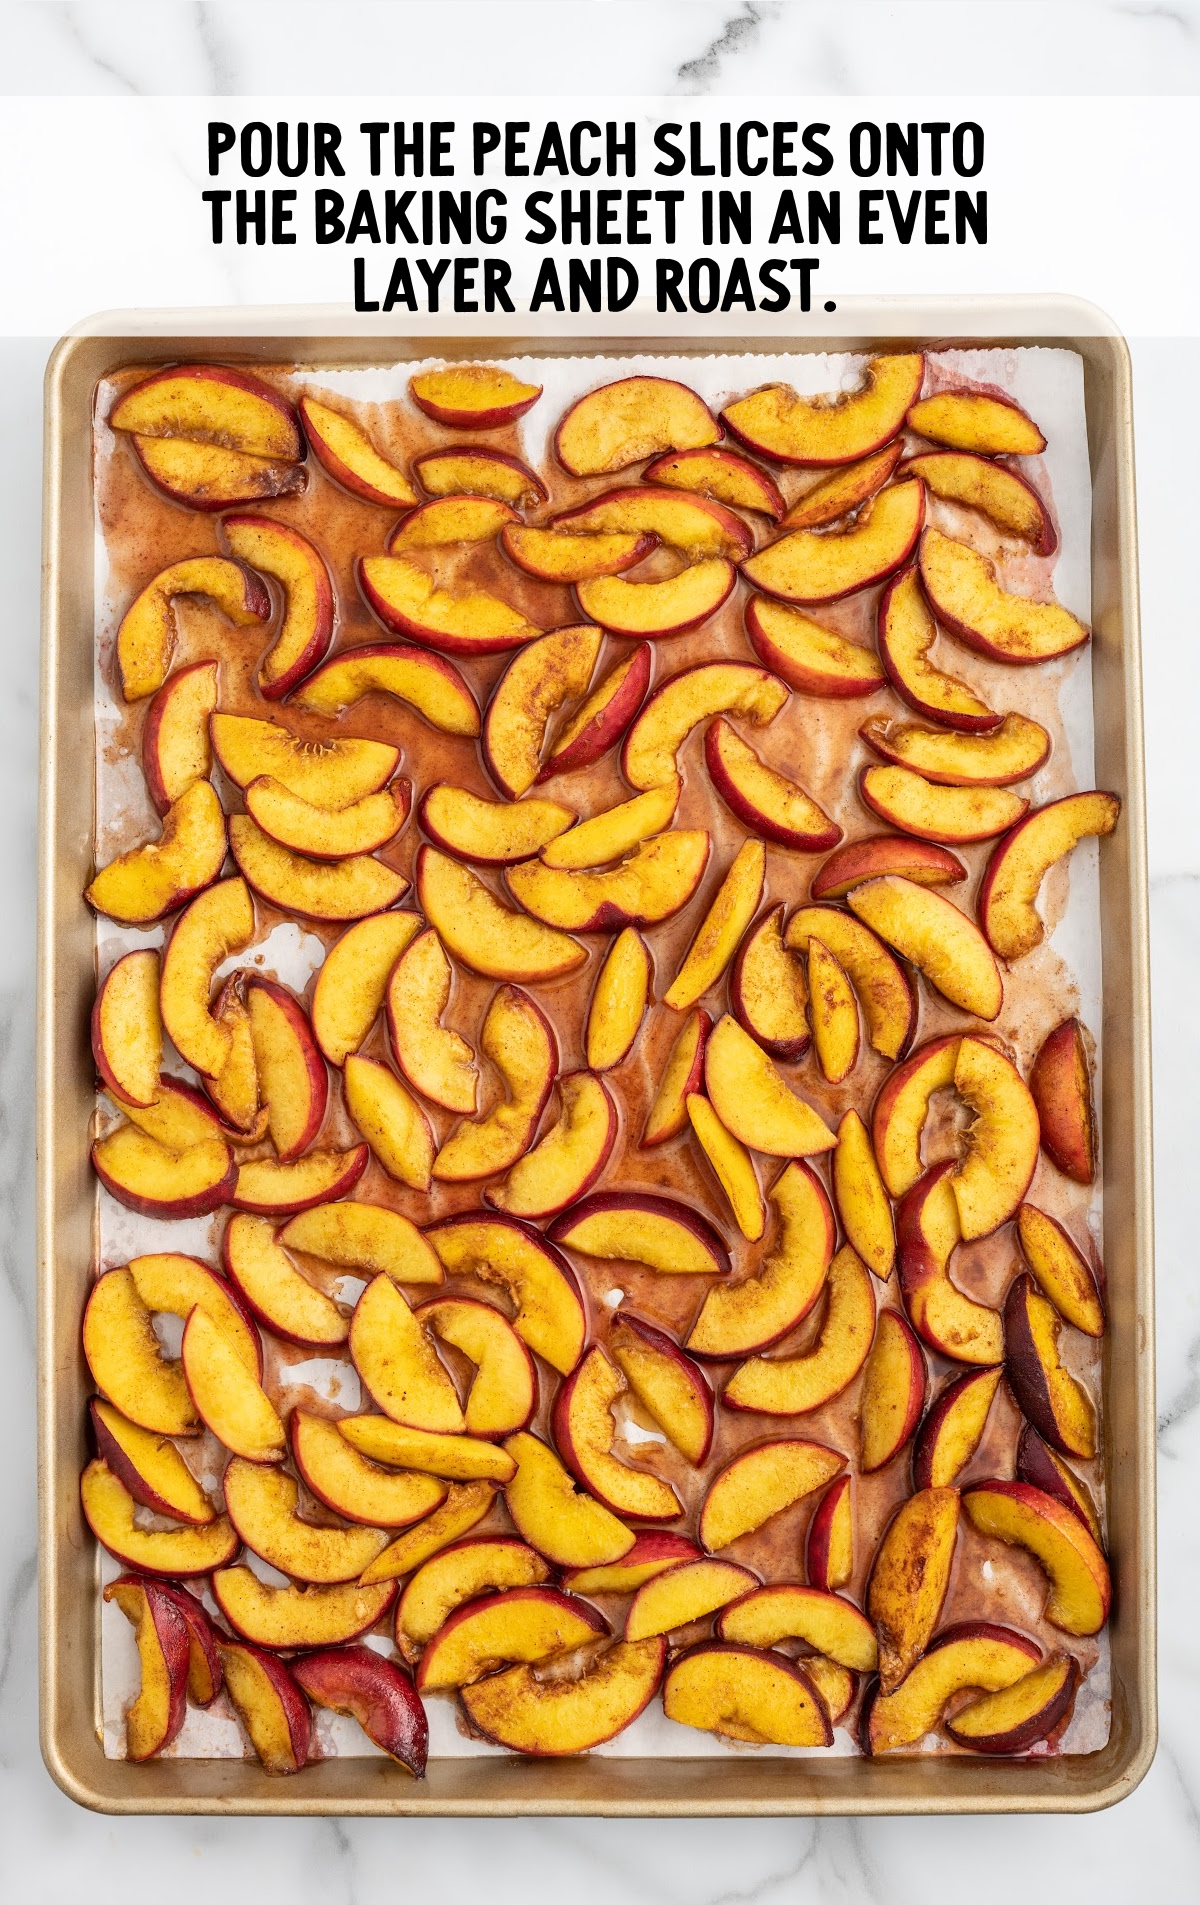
{"points": [[49, 1849]]}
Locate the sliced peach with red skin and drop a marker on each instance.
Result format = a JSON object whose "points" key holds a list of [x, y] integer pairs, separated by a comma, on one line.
{"points": [[234, 1089], [763, 799], [999, 493], [886, 995], [703, 530], [1056, 1537], [205, 1673], [964, 594], [928, 929], [844, 489], [983, 423], [205, 477], [654, 883], [262, 1503], [374, 1691], [390, 1119], [829, 1544], [793, 1385], [738, 1318], [484, 934], [682, 702], [156, 1716], [551, 1718], [549, 1314], [760, 1483], [127, 1028], [767, 990], [123, 1352], [755, 1102], [144, 1176], [1002, 1149], [269, 1705], [953, 1428], [292, 1617], [725, 475], [450, 519], [568, 1159], [1059, 1408], [328, 773], [520, 1042], [809, 566], [428, 1451], [893, 1393], [868, 859], [110, 1510], [149, 1466], [928, 1231], [719, 933], [812, 659], [900, 1111], [230, 1401], [464, 1508], [1014, 874], [652, 609], [340, 890], [292, 1075], [568, 1526], [490, 832], [461, 1573], [690, 1591], [517, 1624], [613, 832], [472, 396], [584, 1433], [424, 681], [634, 417], [1039, 1465], [670, 1387], [1035, 1708], [503, 1395], [470, 469], [905, 632], [368, 1239], [740, 1693], [144, 884], [682, 1075], [436, 1061], [1061, 1082], [861, 1196], [909, 1578], [457, 621], [351, 1484], [146, 637], [270, 1189], [347, 454], [278, 550], [274, 1289], [211, 403], [971, 1654], [731, 1165], [949, 816], [549, 671], [180, 1117], [398, 1364], [320, 835], [639, 1227], [352, 982], [1063, 1271], [619, 1000], [603, 717], [176, 750], [833, 1010], [652, 1553], [1011, 752], [785, 1611], [837, 428], [554, 555]]}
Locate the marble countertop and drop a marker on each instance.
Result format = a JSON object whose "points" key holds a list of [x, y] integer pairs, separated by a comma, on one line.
{"points": [[49, 1849]]}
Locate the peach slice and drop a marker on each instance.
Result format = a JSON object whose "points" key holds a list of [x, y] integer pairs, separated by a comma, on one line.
{"points": [[809, 566], [472, 470], [1034, 1708], [205, 477], [762, 798], [554, 555], [350, 1484], [623, 422], [654, 883], [398, 1364], [793, 1385], [149, 1466], [760, 1483], [1058, 1407], [971, 1654], [683, 1074], [999, 493], [724, 475], [688, 1592], [764, 1699], [461, 1573], [585, 1430], [179, 1118], [109, 1510], [292, 1617], [342, 890], [428, 1451], [767, 990], [1009, 889], [518, 1624], [278, 550], [885, 993], [1011, 752], [637, 1227], [490, 832], [271, 1189], [269, 1705], [652, 1553], [537, 1277], [651, 609], [274, 1289], [829, 429], [450, 519], [981, 423], [569, 1159], [868, 859], [844, 489], [1056, 1537], [928, 1232], [229, 1400], [717, 936], [205, 1674], [1061, 1268], [893, 1393], [829, 1544], [619, 1001], [127, 1029], [234, 1089], [390, 1119], [519, 1040], [909, 1578], [472, 396], [146, 637], [835, 1627], [211, 403], [953, 1428], [457, 621], [347, 454], [902, 1107], [553, 1717], [563, 1523], [148, 882], [375, 1692], [682, 702], [330, 774], [704, 531], [1061, 1083], [291, 1071], [296, 824], [731, 1165], [604, 716], [835, 1686], [812, 659], [1003, 1146], [262, 1505], [963, 593], [144, 1176], [948, 815], [465, 1506], [504, 1390], [833, 1010], [368, 1239], [437, 1062], [175, 743], [861, 1197], [614, 831], [352, 982], [424, 681], [669, 1386], [157, 1714], [1038, 1465], [905, 632], [487, 936], [123, 1352], [738, 1318], [551, 670], [940, 940], [753, 1100]]}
